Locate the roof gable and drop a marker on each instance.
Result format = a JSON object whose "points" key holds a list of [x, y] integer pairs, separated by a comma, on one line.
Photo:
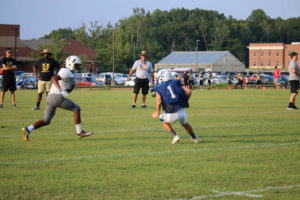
{"points": [[204, 57], [77, 48], [35, 44]]}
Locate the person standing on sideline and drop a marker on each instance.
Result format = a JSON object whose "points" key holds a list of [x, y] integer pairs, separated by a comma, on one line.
{"points": [[186, 79], [229, 82], [236, 79], [294, 78], [247, 85], [201, 81], [173, 98], [143, 68], [8, 77], [241, 80], [191, 80], [258, 81], [209, 77], [276, 77], [46, 67], [63, 84]]}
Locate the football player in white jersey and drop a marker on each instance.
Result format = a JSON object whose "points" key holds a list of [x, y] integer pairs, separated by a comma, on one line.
{"points": [[63, 84]]}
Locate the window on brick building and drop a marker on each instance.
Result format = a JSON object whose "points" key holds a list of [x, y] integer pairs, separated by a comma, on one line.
{"points": [[261, 63], [269, 63], [269, 52], [261, 53], [277, 63], [254, 63], [254, 53], [277, 53]]}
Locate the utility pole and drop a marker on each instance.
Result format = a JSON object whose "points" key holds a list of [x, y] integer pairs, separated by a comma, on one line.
{"points": [[197, 41], [16, 51], [133, 52], [113, 59]]}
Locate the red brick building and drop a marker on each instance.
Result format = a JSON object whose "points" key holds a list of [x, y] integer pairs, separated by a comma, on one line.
{"points": [[76, 48], [265, 56], [10, 38], [24, 49]]}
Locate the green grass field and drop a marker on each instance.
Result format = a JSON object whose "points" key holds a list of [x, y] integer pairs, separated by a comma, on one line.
{"points": [[249, 149]]}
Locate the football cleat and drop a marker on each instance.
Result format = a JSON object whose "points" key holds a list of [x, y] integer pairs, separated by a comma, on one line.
{"points": [[144, 106], [84, 134], [196, 139], [133, 106], [35, 108], [25, 134], [176, 139]]}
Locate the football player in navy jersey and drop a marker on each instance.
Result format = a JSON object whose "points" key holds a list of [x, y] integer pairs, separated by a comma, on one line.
{"points": [[173, 98]]}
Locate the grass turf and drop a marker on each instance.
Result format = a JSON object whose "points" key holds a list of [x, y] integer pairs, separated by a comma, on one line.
{"points": [[249, 146]]}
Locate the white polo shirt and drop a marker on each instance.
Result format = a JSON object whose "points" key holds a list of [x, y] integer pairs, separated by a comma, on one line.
{"points": [[142, 69]]}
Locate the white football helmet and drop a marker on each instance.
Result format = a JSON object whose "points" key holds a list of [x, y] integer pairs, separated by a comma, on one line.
{"points": [[71, 61], [163, 75]]}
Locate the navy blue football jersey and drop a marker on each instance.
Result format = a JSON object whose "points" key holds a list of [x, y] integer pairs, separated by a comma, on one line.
{"points": [[172, 95]]}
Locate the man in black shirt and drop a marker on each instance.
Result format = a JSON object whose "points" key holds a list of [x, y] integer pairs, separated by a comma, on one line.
{"points": [[8, 77], [46, 67]]}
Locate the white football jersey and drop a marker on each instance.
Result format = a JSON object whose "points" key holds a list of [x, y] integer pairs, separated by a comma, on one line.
{"points": [[66, 82]]}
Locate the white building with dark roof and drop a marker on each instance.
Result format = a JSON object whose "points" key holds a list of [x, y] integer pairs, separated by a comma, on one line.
{"points": [[214, 61]]}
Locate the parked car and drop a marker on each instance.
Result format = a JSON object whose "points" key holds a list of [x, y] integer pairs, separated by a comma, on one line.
{"points": [[266, 79], [119, 79], [124, 76], [284, 81], [83, 81], [219, 79], [131, 81], [88, 75], [105, 78]]}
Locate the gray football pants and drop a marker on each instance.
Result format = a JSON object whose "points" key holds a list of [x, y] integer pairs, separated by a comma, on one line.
{"points": [[58, 101]]}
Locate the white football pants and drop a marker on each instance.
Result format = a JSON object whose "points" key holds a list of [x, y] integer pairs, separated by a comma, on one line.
{"points": [[180, 116]]}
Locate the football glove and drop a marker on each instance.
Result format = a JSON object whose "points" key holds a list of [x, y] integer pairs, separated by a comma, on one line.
{"points": [[153, 92], [64, 93]]}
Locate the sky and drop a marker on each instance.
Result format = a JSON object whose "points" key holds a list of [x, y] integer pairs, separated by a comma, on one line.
{"points": [[39, 17]]}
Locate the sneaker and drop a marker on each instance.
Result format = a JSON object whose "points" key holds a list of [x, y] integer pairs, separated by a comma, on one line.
{"points": [[196, 139], [176, 139], [133, 106], [294, 106], [1, 106], [144, 106], [25, 134], [14, 106], [291, 108], [35, 108], [84, 134]]}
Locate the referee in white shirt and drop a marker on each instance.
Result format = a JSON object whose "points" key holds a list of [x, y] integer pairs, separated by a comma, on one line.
{"points": [[143, 68]]}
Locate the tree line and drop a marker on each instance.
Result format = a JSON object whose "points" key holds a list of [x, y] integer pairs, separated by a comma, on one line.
{"points": [[162, 32]]}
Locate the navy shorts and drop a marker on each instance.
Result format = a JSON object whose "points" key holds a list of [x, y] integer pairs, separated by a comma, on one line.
{"points": [[294, 86], [141, 83], [9, 84]]}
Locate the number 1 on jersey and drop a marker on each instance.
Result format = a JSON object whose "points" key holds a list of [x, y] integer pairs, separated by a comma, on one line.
{"points": [[171, 91]]}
